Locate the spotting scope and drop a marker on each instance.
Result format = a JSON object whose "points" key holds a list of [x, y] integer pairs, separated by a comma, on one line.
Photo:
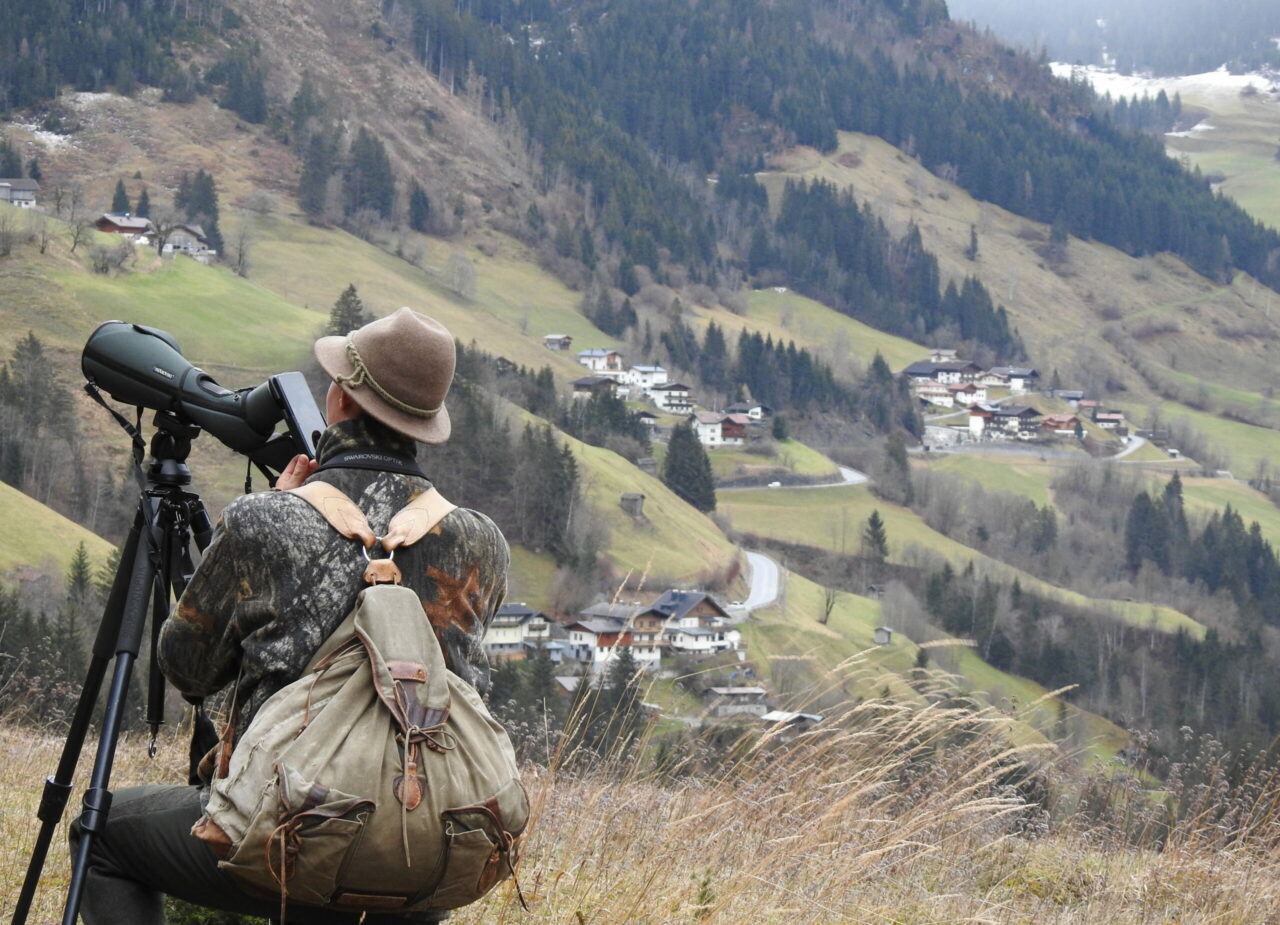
{"points": [[143, 366]]}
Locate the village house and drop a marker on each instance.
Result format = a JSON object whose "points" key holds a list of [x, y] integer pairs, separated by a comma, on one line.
{"points": [[648, 419], [1021, 378], [1109, 420], [645, 377], [979, 420], [708, 427], [1062, 425], [1021, 421], [993, 380], [735, 701], [122, 223], [189, 240], [587, 386], [672, 397], [513, 628], [968, 394], [696, 623], [557, 342], [935, 393], [602, 362], [20, 192], [734, 429], [950, 372], [943, 355], [752, 409], [1070, 396]]}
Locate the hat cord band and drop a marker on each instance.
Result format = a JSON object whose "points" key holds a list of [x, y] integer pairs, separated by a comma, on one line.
{"points": [[361, 376]]}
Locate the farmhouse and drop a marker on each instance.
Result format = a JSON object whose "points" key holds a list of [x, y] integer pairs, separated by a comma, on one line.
{"points": [[124, 224], [20, 192], [674, 397], [733, 429], [189, 240], [979, 420], [1110, 420], [557, 342], [707, 425], [602, 362], [735, 701]]}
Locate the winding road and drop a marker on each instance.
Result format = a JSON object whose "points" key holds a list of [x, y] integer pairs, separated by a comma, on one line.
{"points": [[766, 574]]}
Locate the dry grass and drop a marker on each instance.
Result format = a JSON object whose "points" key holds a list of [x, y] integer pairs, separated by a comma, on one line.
{"points": [[885, 812]]}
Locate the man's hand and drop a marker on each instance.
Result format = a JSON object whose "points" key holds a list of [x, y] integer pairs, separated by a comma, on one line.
{"points": [[298, 471]]}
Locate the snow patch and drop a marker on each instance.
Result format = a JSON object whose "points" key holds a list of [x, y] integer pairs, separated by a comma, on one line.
{"points": [[1219, 83], [86, 100], [1195, 129], [50, 140]]}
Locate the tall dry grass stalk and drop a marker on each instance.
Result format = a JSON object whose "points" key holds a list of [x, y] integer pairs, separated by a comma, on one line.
{"points": [[886, 812]]}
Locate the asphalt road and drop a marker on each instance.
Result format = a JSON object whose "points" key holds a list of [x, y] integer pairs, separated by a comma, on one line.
{"points": [[765, 575]]}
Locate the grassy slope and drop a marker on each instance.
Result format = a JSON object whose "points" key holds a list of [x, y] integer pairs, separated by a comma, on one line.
{"points": [[1241, 146], [514, 304], [833, 518], [35, 536], [1059, 314], [849, 345], [792, 455]]}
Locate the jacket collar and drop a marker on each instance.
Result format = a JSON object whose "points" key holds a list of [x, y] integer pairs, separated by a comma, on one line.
{"points": [[362, 433]]}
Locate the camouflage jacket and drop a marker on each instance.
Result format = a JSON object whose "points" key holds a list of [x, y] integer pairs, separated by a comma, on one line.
{"points": [[277, 580]]}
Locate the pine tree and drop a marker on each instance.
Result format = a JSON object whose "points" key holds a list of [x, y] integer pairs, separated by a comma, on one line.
{"points": [[33, 170], [875, 539], [105, 576], [79, 578], [686, 470], [144, 204], [971, 251], [348, 313], [419, 208], [317, 167], [120, 199]]}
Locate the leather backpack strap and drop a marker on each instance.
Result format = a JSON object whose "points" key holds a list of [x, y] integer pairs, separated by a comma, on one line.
{"points": [[339, 510], [416, 519], [410, 524]]}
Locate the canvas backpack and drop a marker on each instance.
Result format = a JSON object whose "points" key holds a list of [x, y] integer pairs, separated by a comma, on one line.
{"points": [[377, 781]]}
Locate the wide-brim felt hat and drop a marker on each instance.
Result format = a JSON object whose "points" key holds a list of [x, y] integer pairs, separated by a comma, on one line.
{"points": [[398, 369]]}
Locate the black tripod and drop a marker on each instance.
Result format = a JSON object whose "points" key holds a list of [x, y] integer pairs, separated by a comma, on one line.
{"points": [[155, 565]]}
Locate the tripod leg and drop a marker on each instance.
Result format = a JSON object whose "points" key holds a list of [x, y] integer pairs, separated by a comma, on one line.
{"points": [[57, 789], [97, 798]]}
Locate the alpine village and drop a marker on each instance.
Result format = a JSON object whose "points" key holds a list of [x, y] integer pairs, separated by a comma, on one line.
{"points": [[880, 400]]}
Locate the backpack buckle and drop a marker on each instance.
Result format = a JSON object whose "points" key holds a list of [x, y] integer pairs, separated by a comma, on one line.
{"points": [[381, 571]]}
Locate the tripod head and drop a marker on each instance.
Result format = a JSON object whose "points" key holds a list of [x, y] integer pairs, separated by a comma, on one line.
{"points": [[170, 446]]}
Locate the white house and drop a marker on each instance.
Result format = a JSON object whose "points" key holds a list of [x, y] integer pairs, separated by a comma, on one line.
{"points": [[602, 362], [673, 397], [20, 192], [979, 419], [701, 640], [968, 394], [645, 377], [707, 425], [512, 629], [1021, 378]]}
